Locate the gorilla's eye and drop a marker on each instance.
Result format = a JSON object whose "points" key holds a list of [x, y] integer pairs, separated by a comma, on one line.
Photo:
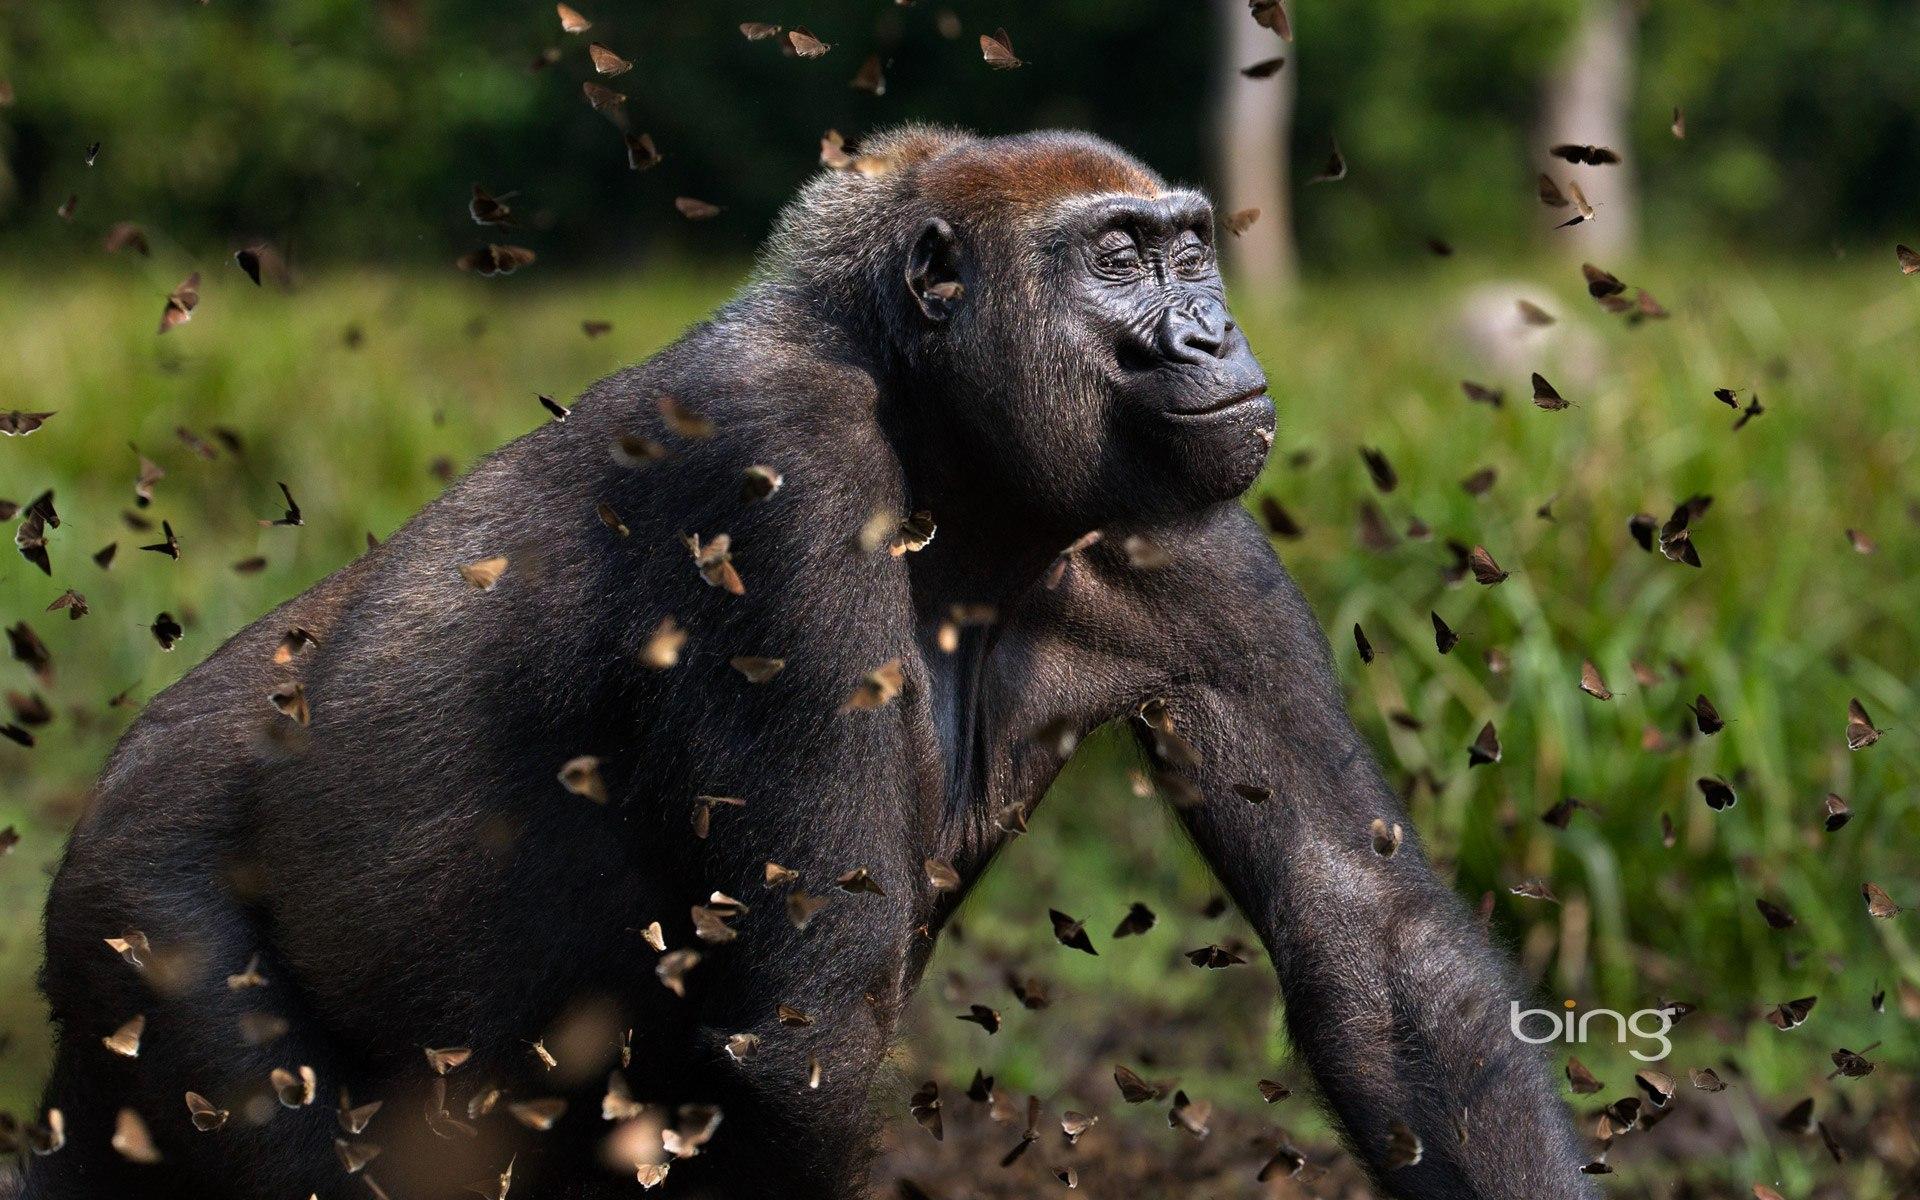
{"points": [[1190, 255], [1115, 253]]}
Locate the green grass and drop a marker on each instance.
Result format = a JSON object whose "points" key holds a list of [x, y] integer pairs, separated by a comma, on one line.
{"points": [[1784, 623]]}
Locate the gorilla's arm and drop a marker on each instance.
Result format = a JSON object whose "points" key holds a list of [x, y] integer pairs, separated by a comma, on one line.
{"points": [[1393, 993]]}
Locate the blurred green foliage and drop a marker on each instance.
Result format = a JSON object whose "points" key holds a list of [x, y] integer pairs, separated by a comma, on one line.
{"points": [[351, 129]]}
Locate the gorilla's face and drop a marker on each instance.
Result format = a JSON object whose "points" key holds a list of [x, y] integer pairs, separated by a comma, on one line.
{"points": [[1189, 417], [1090, 357]]}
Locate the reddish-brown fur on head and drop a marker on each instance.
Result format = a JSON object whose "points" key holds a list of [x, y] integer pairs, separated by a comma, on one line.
{"points": [[977, 176], [1032, 172]]}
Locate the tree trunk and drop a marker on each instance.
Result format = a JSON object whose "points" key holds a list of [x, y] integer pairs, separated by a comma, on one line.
{"points": [[1590, 102], [1252, 133]]}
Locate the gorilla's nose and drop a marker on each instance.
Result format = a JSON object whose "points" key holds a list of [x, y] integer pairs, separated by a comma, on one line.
{"points": [[1195, 334]]}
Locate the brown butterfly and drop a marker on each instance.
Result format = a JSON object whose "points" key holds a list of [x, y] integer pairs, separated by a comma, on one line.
{"points": [[1533, 314], [1190, 1115], [1070, 933], [170, 547], [1273, 15], [1544, 395], [1583, 211], [604, 100], [1482, 394], [581, 776], [1213, 957], [1561, 814], [1028, 1135], [1909, 260], [1403, 1147], [606, 62], [1279, 521], [1719, 794], [1386, 838], [979, 1014], [290, 516], [1485, 571], [877, 688], [1379, 469], [206, 1118], [1792, 1013], [703, 807], [1658, 1085], [1135, 1090], [1860, 729], [488, 209], [802, 44], [1834, 812], [495, 259], [1534, 889], [1706, 1079], [1879, 904], [859, 880], [1336, 168], [166, 630], [1596, 156], [1705, 716], [1643, 526], [1139, 920], [125, 1041], [1240, 220], [1031, 991], [997, 49], [181, 302], [1601, 284], [1581, 1079], [125, 235], [1776, 917], [571, 21], [1853, 1065], [1485, 748], [260, 260], [1361, 644], [642, 154], [924, 1104], [1591, 683]]}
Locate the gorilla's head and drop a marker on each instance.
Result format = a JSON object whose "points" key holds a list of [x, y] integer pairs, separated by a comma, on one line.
{"points": [[1055, 317]]}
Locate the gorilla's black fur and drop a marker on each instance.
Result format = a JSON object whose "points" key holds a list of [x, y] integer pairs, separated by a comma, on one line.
{"points": [[1023, 337]]}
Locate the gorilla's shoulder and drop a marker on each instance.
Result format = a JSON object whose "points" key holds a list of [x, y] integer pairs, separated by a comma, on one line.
{"points": [[749, 364], [596, 514]]}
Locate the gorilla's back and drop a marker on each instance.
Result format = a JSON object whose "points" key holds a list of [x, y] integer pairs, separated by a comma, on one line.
{"points": [[439, 713]]}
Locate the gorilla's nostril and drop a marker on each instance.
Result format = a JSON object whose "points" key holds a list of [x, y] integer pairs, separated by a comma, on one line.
{"points": [[1197, 343], [1195, 335]]}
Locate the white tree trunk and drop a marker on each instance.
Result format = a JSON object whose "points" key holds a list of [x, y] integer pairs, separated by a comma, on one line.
{"points": [[1590, 102], [1252, 133]]}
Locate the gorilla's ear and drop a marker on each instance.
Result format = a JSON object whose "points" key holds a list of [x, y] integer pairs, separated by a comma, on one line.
{"points": [[933, 271]]}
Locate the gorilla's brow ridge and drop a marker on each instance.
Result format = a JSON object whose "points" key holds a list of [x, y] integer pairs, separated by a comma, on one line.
{"points": [[1176, 201]]}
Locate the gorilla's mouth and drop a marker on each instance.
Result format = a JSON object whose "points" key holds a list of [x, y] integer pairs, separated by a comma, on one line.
{"points": [[1238, 399]]}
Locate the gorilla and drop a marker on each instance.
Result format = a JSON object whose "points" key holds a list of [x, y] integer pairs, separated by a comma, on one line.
{"points": [[589, 835]]}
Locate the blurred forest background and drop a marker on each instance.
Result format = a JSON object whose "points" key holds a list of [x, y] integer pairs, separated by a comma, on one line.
{"points": [[1771, 160], [348, 130]]}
